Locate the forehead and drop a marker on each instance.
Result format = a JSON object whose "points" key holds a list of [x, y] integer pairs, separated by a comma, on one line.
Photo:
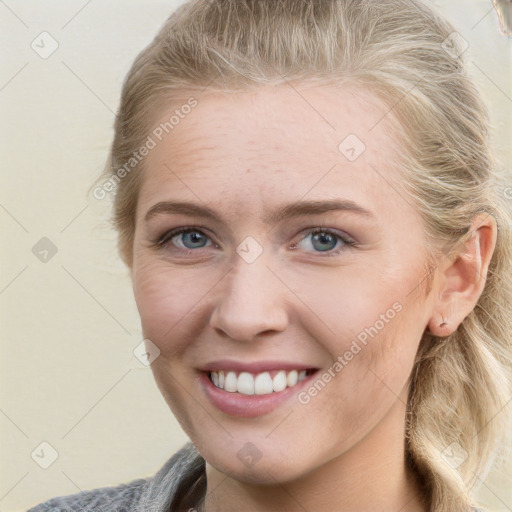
{"points": [[276, 141]]}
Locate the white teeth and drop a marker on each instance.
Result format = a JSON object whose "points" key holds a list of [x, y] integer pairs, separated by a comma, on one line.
{"points": [[292, 378], [279, 381], [245, 384], [263, 384], [230, 382], [260, 384]]}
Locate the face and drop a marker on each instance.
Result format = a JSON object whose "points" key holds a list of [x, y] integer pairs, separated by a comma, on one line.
{"points": [[314, 259]]}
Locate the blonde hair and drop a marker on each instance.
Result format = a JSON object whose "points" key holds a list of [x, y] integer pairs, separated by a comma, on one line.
{"points": [[397, 49]]}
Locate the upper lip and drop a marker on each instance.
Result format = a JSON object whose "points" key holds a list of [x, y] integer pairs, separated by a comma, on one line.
{"points": [[254, 367]]}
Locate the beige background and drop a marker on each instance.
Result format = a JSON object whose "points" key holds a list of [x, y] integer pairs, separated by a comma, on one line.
{"points": [[69, 324]]}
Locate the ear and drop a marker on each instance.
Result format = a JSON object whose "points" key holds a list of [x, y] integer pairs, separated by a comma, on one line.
{"points": [[461, 278]]}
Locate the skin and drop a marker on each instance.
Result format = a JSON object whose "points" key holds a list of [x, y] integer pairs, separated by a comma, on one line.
{"points": [[244, 155]]}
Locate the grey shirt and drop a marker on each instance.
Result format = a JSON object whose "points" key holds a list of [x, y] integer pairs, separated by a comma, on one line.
{"points": [[178, 486], [181, 480]]}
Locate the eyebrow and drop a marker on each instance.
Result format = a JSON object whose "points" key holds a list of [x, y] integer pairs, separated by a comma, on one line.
{"points": [[286, 212]]}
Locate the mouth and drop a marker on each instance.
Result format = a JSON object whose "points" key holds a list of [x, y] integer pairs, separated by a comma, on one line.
{"points": [[261, 383], [250, 389]]}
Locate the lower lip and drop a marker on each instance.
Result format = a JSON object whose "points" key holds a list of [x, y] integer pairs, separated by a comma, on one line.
{"points": [[248, 406]]}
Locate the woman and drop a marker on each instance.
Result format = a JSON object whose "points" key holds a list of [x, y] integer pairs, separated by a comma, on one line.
{"points": [[307, 202]]}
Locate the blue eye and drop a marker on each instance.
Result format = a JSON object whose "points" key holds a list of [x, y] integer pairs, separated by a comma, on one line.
{"points": [[325, 240], [192, 238], [322, 241]]}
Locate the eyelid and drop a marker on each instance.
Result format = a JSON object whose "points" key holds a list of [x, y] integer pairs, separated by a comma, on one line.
{"points": [[347, 240], [341, 234], [171, 233]]}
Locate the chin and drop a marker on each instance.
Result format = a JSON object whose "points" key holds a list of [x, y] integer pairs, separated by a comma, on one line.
{"points": [[272, 469]]}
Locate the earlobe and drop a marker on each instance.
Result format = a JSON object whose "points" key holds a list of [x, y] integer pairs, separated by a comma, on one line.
{"points": [[462, 279], [441, 326]]}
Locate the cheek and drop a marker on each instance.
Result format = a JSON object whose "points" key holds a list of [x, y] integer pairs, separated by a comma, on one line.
{"points": [[377, 328], [353, 302], [166, 299], [368, 378], [385, 363]]}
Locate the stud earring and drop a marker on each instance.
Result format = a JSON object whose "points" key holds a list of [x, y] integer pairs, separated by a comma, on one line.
{"points": [[443, 323]]}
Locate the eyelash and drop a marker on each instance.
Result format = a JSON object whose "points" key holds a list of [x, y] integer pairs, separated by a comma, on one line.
{"points": [[166, 238]]}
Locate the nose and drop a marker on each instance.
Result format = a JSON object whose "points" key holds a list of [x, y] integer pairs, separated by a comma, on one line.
{"points": [[251, 301]]}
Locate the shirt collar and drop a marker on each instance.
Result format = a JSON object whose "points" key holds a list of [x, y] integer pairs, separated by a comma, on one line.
{"points": [[172, 482]]}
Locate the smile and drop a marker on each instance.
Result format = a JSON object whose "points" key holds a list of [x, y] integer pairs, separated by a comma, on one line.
{"points": [[263, 383]]}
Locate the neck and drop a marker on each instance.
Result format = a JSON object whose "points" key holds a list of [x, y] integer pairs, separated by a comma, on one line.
{"points": [[371, 476]]}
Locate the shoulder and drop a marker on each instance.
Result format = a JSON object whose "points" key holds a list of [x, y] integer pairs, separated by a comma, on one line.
{"points": [[154, 493], [116, 499]]}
